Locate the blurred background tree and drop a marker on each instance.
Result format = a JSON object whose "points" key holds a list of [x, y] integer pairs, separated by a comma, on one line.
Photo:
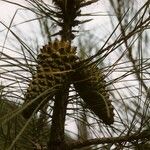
{"points": [[119, 47]]}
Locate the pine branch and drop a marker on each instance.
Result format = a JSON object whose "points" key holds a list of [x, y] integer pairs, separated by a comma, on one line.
{"points": [[123, 27], [127, 138]]}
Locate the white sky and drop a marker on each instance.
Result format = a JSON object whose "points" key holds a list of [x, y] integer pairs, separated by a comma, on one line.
{"points": [[7, 10]]}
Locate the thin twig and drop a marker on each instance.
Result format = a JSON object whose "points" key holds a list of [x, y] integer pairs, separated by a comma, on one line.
{"points": [[127, 138]]}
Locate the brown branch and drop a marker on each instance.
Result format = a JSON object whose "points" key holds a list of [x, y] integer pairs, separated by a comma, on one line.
{"points": [[127, 138], [57, 135]]}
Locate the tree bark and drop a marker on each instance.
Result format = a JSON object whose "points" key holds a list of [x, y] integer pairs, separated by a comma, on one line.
{"points": [[57, 135]]}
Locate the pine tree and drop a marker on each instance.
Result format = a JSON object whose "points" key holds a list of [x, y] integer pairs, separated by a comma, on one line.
{"points": [[66, 82]]}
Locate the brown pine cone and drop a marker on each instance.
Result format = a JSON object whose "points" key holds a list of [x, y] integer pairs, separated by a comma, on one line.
{"points": [[54, 64], [89, 82]]}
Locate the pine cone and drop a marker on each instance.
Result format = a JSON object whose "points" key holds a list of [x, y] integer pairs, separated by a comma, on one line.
{"points": [[90, 84], [54, 64]]}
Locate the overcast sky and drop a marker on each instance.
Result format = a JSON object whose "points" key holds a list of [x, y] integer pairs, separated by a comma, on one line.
{"points": [[8, 10]]}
